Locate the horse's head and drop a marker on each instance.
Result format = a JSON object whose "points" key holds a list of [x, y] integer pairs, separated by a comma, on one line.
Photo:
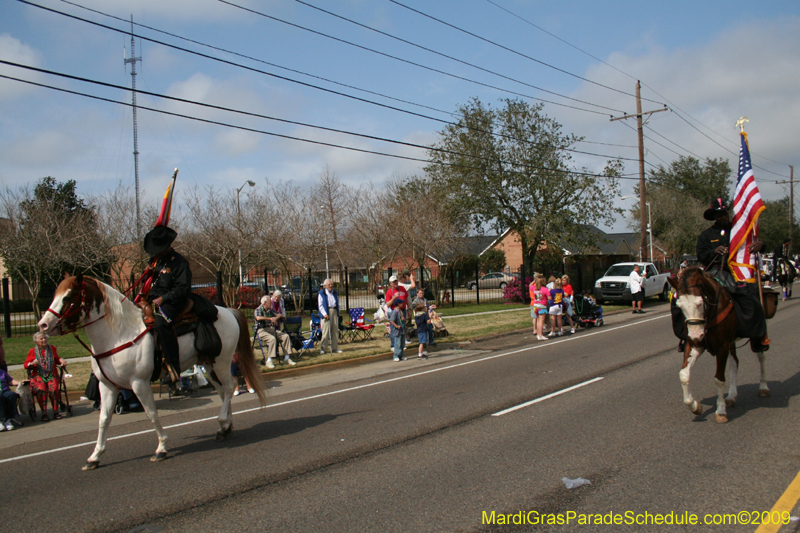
{"points": [[690, 295], [74, 299]]}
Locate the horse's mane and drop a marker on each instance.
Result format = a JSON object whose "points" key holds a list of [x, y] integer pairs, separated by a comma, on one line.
{"points": [[116, 314], [683, 279]]}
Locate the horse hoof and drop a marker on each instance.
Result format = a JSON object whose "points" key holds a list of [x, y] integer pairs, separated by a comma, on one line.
{"points": [[90, 465], [223, 434], [160, 456], [698, 409], [721, 419], [763, 393], [730, 403]]}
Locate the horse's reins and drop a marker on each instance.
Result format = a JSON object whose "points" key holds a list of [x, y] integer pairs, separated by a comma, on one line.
{"points": [[78, 309]]}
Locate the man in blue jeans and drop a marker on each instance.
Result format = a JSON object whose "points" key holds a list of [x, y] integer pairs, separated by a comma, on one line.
{"points": [[398, 330]]}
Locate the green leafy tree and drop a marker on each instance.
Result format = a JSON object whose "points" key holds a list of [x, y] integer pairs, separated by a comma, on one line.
{"points": [[678, 195], [773, 224], [493, 260], [49, 230], [510, 168]]}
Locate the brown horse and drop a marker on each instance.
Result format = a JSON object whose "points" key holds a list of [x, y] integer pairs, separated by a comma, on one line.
{"points": [[711, 325]]}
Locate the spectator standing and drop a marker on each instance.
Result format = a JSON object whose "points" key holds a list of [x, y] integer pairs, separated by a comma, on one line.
{"points": [[637, 293], [328, 307], [397, 333], [423, 322], [555, 309], [8, 402], [235, 374], [408, 282], [569, 295], [539, 296], [396, 294]]}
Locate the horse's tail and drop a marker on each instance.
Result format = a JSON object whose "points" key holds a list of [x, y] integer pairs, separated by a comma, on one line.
{"points": [[247, 363]]}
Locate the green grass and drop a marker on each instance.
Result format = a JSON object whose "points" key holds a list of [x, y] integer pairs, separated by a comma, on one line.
{"points": [[17, 348]]}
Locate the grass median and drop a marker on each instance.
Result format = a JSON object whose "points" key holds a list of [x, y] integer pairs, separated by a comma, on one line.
{"points": [[463, 323]]}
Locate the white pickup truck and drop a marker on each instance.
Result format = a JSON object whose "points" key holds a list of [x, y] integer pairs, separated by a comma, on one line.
{"points": [[615, 283]]}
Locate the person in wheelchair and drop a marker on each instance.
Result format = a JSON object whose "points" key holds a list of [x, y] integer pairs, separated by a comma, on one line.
{"points": [[41, 365]]}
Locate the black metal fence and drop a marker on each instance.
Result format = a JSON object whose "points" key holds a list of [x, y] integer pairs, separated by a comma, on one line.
{"points": [[357, 288]]}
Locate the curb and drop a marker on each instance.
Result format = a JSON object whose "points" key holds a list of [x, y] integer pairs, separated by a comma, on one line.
{"points": [[74, 396]]}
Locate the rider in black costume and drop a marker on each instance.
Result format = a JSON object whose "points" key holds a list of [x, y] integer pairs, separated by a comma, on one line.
{"points": [[171, 287], [712, 252]]}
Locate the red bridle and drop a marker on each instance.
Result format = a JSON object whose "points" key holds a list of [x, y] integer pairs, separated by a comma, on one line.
{"points": [[76, 308]]}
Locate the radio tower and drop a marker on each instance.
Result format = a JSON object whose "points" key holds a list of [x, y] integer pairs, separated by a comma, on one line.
{"points": [[133, 59]]}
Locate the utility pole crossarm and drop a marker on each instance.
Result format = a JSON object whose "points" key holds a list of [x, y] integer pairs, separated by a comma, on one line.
{"points": [[623, 117]]}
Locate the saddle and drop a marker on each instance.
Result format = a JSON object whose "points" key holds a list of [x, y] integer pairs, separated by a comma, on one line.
{"points": [[198, 317]]}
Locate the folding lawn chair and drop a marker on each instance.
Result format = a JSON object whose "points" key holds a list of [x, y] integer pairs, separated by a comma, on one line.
{"points": [[314, 337], [292, 326], [361, 328], [347, 332]]}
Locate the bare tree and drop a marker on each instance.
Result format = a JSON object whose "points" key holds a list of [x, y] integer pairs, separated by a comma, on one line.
{"points": [[335, 201]]}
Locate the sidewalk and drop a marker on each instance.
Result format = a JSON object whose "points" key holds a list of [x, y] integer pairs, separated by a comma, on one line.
{"points": [[278, 383]]}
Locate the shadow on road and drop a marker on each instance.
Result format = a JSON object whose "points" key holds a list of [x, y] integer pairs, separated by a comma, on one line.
{"points": [[780, 394]]}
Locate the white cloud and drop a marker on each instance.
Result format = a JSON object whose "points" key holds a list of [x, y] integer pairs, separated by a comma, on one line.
{"points": [[14, 50]]}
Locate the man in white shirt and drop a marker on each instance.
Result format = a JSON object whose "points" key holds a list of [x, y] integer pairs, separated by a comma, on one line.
{"points": [[636, 289], [328, 307]]}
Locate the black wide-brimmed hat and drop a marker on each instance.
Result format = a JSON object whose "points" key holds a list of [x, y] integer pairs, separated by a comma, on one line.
{"points": [[716, 207], [159, 239]]}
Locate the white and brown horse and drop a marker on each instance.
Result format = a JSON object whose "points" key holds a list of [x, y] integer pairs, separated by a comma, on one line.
{"points": [[711, 324], [122, 350]]}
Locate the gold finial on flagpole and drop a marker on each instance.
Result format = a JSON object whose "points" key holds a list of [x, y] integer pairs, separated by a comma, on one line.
{"points": [[740, 123]]}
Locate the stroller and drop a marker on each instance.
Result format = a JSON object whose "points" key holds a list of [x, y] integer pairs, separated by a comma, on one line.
{"points": [[439, 329], [587, 313]]}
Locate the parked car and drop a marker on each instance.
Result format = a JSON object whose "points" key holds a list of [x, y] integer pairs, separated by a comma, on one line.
{"points": [[614, 285], [492, 280]]}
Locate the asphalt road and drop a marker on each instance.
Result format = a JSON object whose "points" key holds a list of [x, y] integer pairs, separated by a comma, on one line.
{"points": [[414, 446]]}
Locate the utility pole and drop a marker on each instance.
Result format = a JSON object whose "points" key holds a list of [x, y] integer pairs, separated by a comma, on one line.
{"points": [[133, 59], [791, 208], [642, 194]]}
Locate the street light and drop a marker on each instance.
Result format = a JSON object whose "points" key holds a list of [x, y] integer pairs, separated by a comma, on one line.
{"points": [[239, 222], [649, 224], [327, 268]]}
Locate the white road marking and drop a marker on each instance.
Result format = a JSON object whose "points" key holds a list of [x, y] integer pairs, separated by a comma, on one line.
{"points": [[350, 389], [543, 398]]}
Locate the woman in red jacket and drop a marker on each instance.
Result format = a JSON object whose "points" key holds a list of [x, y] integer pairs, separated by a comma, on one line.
{"points": [[41, 362]]}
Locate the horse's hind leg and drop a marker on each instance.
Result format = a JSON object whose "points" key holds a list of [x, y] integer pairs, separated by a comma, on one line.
{"points": [[763, 389], [108, 401], [144, 392], [689, 358], [719, 380]]}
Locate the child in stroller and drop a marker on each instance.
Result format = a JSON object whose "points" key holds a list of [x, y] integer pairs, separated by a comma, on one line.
{"points": [[587, 313]]}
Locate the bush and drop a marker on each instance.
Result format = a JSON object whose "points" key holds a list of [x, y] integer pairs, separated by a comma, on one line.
{"points": [[515, 291]]}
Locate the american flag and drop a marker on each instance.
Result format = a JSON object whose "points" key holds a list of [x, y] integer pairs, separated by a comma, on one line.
{"points": [[747, 206]]}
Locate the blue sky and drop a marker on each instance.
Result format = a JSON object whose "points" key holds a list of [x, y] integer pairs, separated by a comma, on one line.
{"points": [[714, 61]]}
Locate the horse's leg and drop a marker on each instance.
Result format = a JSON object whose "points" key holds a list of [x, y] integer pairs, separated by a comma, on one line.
{"points": [[690, 355], [733, 392], [144, 392], [108, 401], [719, 380], [763, 389], [225, 384]]}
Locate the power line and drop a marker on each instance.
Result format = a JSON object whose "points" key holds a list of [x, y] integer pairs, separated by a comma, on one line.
{"points": [[416, 45], [419, 65], [267, 73], [674, 107], [515, 51], [273, 134], [267, 117], [251, 58]]}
